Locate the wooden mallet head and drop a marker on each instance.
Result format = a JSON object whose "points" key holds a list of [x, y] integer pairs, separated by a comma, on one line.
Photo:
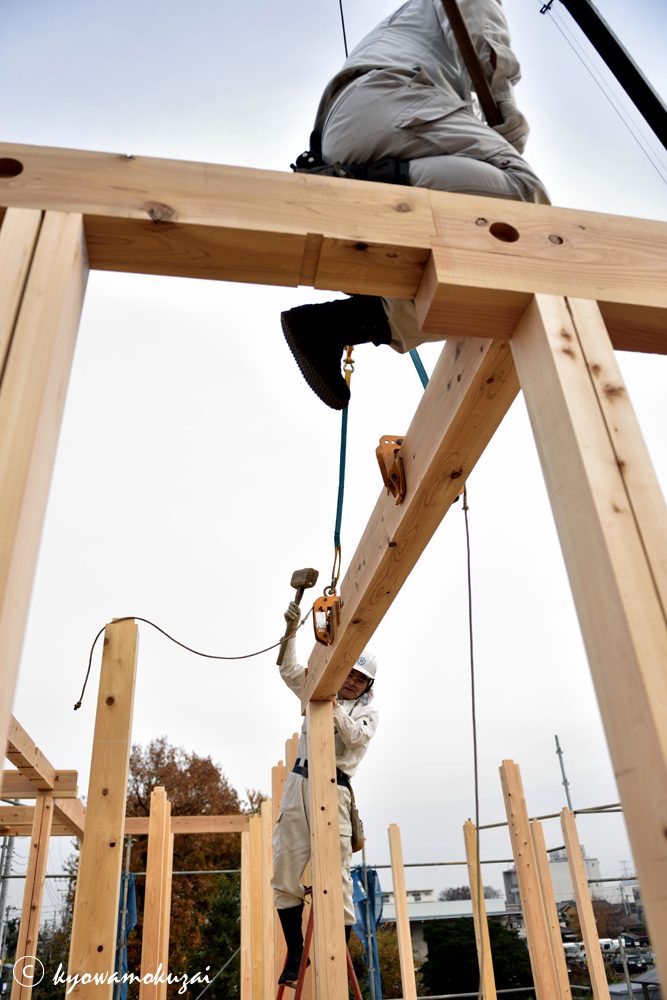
{"points": [[304, 579]]}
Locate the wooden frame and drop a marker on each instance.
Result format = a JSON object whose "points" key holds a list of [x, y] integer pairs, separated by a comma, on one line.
{"points": [[405, 954], [562, 287], [482, 940]]}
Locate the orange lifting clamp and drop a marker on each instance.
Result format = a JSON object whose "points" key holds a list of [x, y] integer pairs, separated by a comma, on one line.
{"points": [[391, 465], [325, 607]]}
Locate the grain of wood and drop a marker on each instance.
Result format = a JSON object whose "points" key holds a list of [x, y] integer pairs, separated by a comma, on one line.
{"points": [[484, 957], [256, 906], [14, 785], [268, 909], [165, 906], [405, 954], [278, 775], [71, 813], [138, 825], [152, 934], [26, 946], [246, 923], [18, 238], [551, 913]]}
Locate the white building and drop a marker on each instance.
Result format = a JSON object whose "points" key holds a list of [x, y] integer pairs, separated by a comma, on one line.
{"points": [[559, 870], [429, 908]]}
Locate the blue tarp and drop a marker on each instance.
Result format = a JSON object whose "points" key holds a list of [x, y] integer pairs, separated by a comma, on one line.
{"points": [[361, 927], [130, 921]]}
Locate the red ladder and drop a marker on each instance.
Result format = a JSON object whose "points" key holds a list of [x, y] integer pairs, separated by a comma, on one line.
{"points": [[304, 964]]}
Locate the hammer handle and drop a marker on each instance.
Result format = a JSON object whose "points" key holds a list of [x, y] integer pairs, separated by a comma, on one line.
{"points": [[283, 644], [473, 62]]}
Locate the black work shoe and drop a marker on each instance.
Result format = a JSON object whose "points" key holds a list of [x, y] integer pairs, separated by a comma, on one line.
{"points": [[290, 973], [317, 335]]}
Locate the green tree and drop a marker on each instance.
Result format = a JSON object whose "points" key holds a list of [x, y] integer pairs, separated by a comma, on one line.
{"points": [[220, 937], [390, 965], [451, 965]]}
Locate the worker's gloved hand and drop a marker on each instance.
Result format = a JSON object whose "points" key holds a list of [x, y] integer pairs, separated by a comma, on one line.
{"points": [[514, 126], [293, 615]]}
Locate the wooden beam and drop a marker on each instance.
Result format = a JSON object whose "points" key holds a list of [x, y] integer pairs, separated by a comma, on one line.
{"points": [[482, 940], [268, 909], [256, 905], [405, 953], [68, 816], [545, 977], [550, 911], [278, 775], [589, 931], [612, 523], [328, 917], [95, 920], [151, 942], [165, 908], [32, 397], [291, 750], [31, 911], [476, 281], [470, 391], [28, 758], [18, 239], [15, 786], [246, 922], [138, 825], [72, 815]]}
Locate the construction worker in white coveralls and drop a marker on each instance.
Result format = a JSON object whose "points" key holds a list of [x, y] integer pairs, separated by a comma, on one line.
{"points": [[404, 92], [355, 722]]}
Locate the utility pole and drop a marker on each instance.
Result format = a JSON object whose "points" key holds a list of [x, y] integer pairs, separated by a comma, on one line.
{"points": [[566, 783], [5, 870]]}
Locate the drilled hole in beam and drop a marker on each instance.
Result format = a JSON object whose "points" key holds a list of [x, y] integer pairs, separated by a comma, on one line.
{"points": [[9, 167], [504, 232]]}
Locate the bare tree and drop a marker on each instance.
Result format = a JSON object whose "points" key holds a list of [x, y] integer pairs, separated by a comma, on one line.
{"points": [[463, 892]]}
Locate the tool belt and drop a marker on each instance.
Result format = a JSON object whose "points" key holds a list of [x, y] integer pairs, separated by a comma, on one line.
{"points": [[389, 170], [301, 767]]}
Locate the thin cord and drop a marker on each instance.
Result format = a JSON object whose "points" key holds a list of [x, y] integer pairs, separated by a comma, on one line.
{"points": [[342, 21], [474, 737], [221, 970], [209, 656]]}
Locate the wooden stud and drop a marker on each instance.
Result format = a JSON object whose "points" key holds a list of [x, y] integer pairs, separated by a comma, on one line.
{"points": [[13, 785], [32, 397], [612, 523], [31, 911], [95, 920], [268, 909], [484, 957], [545, 977], [138, 825], [151, 942], [291, 750], [405, 953], [18, 238], [470, 391], [550, 911], [256, 906], [246, 923], [328, 920], [165, 906], [71, 813], [582, 896], [28, 758], [278, 776]]}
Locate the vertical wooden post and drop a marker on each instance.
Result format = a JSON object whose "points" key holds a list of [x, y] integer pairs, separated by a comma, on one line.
{"points": [[165, 906], [268, 909], [612, 523], [255, 826], [589, 931], [26, 947], [329, 921], [487, 978], [550, 910], [405, 954], [530, 891], [278, 775], [246, 924], [38, 340], [151, 943], [291, 748], [95, 919]]}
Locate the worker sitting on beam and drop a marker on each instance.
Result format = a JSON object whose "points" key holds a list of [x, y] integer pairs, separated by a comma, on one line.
{"points": [[355, 723], [401, 109]]}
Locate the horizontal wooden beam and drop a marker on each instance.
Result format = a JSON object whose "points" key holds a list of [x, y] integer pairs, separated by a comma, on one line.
{"points": [[28, 758], [138, 825], [489, 255], [14, 785], [68, 820], [70, 813], [472, 387], [25, 830]]}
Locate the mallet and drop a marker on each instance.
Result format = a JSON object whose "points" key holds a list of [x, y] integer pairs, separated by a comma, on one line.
{"points": [[302, 579]]}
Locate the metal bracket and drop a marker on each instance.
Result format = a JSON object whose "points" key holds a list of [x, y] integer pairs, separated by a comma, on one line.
{"points": [[391, 465]]}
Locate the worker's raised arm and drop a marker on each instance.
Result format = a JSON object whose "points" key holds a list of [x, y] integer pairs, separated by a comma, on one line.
{"points": [[290, 670]]}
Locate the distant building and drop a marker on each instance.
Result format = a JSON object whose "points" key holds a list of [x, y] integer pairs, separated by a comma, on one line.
{"points": [[427, 907], [559, 870], [414, 895]]}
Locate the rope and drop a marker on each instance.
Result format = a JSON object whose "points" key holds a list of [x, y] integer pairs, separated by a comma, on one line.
{"points": [[421, 371], [208, 656], [342, 21], [348, 368], [218, 973]]}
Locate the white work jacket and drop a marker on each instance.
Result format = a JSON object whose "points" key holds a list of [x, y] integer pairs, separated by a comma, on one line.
{"points": [[418, 36], [355, 721]]}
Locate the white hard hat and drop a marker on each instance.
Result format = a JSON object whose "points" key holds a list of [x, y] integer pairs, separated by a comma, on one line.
{"points": [[367, 664]]}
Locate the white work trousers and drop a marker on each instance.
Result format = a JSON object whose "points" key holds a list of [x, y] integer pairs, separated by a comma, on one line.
{"points": [[291, 845], [401, 113]]}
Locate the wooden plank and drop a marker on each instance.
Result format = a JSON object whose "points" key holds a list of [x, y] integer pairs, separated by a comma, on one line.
{"points": [[25, 830], [612, 524], [551, 913], [476, 282], [72, 815], [31, 911], [32, 396], [16, 786], [545, 977], [291, 750], [18, 238], [405, 954], [151, 942], [328, 924], [256, 905], [278, 775], [28, 758], [246, 922], [268, 909], [471, 389], [165, 907], [482, 940], [95, 920], [589, 931], [138, 825]]}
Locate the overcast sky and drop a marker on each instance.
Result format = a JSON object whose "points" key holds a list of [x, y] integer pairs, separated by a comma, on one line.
{"points": [[196, 470]]}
